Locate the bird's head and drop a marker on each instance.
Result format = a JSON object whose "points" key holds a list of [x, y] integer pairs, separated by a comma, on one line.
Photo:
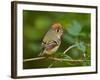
{"points": [[57, 27]]}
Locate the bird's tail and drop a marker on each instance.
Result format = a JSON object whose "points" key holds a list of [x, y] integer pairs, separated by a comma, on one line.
{"points": [[41, 53]]}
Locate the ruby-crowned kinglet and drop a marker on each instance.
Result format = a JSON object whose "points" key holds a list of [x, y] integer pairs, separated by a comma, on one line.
{"points": [[52, 39]]}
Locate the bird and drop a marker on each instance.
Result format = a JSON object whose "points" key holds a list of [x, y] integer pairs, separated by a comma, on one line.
{"points": [[52, 39]]}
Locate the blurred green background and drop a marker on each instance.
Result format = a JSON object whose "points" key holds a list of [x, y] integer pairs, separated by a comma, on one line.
{"points": [[76, 31]]}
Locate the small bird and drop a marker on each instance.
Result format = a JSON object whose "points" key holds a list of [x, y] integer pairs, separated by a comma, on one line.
{"points": [[52, 40]]}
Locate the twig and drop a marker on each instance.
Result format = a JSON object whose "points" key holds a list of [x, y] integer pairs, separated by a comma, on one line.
{"points": [[31, 59], [51, 64], [69, 48]]}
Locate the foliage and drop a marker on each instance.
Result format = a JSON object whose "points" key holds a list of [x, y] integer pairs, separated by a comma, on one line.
{"points": [[76, 32]]}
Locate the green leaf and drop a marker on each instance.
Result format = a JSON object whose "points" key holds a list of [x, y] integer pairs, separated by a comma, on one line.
{"points": [[81, 46], [69, 38], [74, 29]]}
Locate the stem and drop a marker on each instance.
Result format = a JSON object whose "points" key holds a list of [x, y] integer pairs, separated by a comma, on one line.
{"points": [[31, 59], [70, 47]]}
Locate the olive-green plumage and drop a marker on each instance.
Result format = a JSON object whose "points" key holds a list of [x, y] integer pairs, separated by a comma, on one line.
{"points": [[52, 40]]}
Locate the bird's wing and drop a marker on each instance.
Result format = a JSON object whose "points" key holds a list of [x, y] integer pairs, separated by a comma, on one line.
{"points": [[48, 47], [51, 45]]}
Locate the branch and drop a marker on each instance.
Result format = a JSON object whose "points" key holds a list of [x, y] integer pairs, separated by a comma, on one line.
{"points": [[53, 58], [31, 59], [60, 59], [70, 47]]}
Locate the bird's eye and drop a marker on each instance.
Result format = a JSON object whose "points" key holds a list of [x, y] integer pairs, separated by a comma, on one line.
{"points": [[57, 30]]}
